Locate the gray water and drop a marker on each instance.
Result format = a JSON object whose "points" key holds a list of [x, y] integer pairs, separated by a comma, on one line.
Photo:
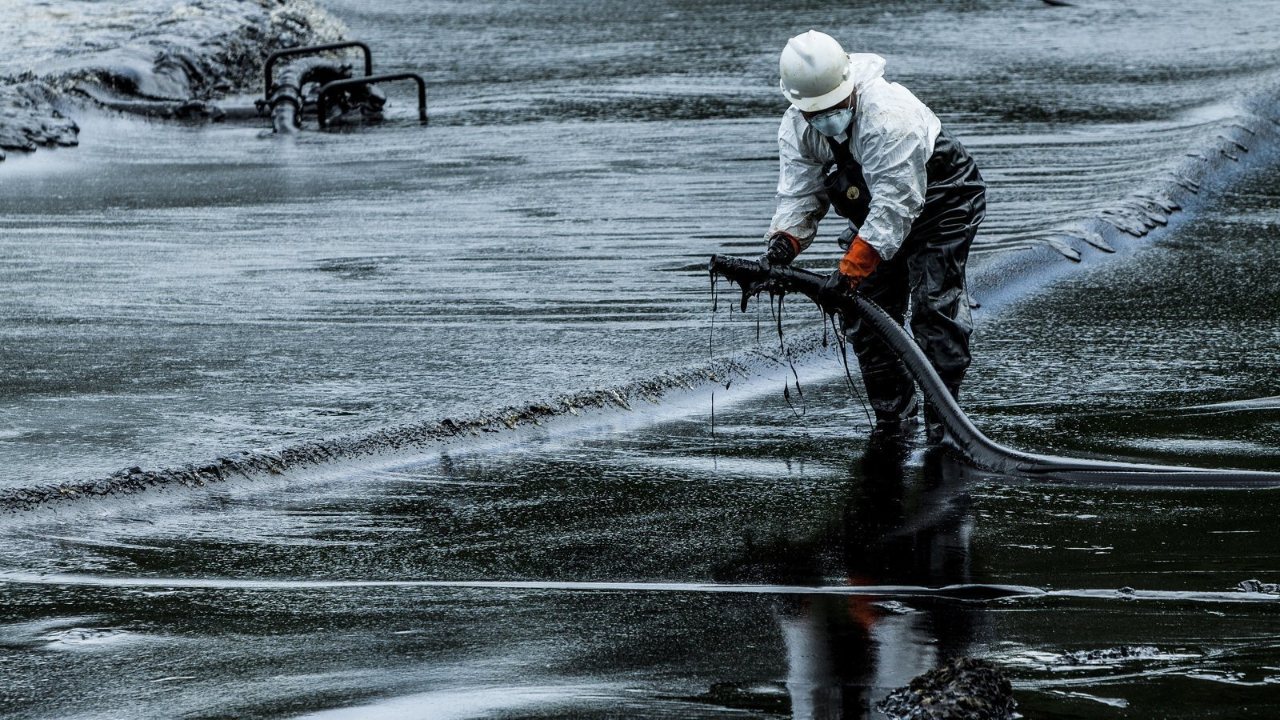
{"points": [[169, 294]]}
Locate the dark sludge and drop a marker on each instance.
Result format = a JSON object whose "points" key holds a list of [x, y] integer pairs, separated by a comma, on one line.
{"points": [[962, 435]]}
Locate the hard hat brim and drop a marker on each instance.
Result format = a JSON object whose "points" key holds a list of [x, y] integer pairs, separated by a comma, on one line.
{"points": [[824, 101]]}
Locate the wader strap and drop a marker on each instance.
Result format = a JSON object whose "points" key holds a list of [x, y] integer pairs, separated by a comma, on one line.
{"points": [[844, 185], [844, 158]]}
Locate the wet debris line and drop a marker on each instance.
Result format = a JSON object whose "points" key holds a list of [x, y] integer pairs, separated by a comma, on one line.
{"points": [[174, 62], [755, 277], [405, 439]]}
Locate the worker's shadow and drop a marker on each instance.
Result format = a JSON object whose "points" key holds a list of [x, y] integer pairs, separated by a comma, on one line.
{"points": [[897, 524]]}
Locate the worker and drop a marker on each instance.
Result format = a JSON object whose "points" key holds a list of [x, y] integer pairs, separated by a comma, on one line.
{"points": [[913, 199]]}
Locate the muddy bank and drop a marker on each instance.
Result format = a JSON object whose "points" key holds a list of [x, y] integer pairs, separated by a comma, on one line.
{"points": [[166, 59]]}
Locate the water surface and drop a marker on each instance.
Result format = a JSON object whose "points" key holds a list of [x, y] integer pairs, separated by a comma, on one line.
{"points": [[171, 294]]}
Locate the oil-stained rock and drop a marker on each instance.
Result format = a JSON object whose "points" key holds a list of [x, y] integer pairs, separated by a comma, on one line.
{"points": [[28, 120], [1257, 586], [962, 689]]}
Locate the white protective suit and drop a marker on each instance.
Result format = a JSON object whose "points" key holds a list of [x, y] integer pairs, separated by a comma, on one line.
{"points": [[893, 139]]}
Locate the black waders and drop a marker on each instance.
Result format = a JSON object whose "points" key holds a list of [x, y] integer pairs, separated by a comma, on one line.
{"points": [[928, 272]]}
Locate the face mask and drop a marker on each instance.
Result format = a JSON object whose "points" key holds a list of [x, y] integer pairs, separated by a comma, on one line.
{"points": [[832, 122]]}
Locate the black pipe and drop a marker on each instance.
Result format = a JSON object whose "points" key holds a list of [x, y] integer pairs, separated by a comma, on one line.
{"points": [[961, 434], [286, 101], [311, 50], [322, 102]]}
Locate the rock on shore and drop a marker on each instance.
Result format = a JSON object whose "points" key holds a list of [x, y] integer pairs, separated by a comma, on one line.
{"points": [[962, 689]]}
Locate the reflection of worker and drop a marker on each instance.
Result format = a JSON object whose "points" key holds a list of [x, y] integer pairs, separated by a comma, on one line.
{"points": [[846, 652], [913, 198]]}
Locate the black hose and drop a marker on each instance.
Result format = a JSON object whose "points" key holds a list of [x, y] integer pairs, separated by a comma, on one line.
{"points": [[961, 434]]}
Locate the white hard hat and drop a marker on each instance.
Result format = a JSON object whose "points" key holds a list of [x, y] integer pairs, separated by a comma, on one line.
{"points": [[816, 72]]}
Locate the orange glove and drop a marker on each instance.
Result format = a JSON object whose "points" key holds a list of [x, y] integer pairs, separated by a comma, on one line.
{"points": [[859, 261]]}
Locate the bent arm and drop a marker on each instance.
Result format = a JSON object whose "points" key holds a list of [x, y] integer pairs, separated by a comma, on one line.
{"points": [[894, 158], [801, 203]]}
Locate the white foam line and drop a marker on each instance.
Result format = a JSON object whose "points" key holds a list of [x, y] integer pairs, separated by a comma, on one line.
{"points": [[474, 702], [265, 584], [1263, 403], [977, 592], [103, 543], [1225, 596]]}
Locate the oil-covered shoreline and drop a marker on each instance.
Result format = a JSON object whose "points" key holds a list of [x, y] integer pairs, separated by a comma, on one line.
{"points": [[172, 56]]}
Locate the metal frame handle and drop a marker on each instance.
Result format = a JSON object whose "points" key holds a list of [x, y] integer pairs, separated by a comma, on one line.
{"points": [[314, 50], [322, 103]]}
